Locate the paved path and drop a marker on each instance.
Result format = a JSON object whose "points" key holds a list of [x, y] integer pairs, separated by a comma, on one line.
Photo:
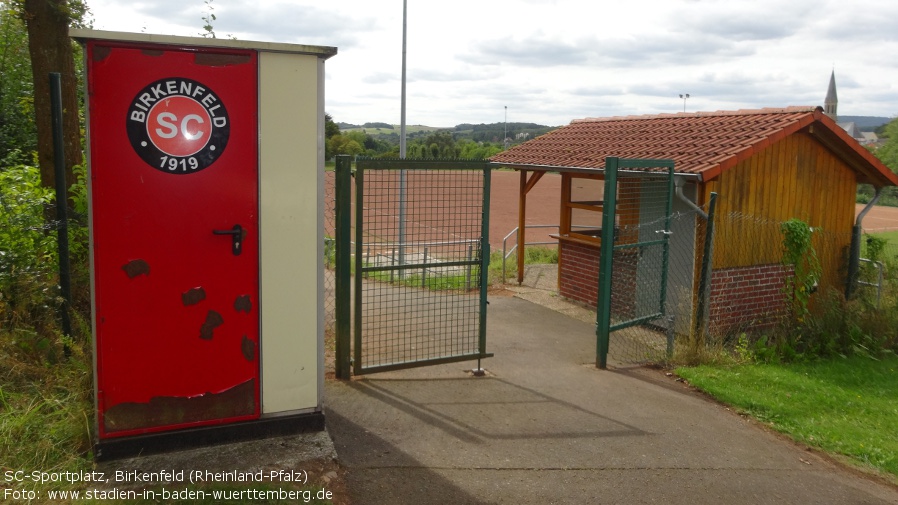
{"points": [[546, 427]]}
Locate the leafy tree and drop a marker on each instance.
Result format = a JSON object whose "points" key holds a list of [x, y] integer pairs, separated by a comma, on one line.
{"points": [[330, 130], [378, 125], [442, 140], [358, 136], [478, 150], [47, 23], [330, 127], [343, 144], [888, 153], [18, 136]]}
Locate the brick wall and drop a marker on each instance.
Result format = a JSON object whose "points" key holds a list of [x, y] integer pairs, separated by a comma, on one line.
{"points": [[578, 272], [578, 277], [742, 299], [747, 298]]}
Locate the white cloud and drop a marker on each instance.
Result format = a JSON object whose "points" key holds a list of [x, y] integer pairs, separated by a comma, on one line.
{"points": [[551, 61]]}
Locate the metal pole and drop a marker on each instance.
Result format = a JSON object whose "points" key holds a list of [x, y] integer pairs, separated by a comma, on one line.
{"points": [[402, 146], [484, 266], [424, 270], [704, 283], [854, 251], [505, 138], [62, 229], [468, 267]]}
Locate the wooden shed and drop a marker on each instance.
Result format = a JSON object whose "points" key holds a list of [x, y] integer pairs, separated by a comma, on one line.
{"points": [[767, 166]]}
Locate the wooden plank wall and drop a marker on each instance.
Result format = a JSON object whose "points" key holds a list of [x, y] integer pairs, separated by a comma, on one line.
{"points": [[794, 178]]}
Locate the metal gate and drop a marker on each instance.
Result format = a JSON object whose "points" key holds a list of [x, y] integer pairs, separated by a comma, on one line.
{"points": [[635, 244], [419, 263]]}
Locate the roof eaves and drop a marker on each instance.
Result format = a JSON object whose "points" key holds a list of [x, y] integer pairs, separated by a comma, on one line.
{"points": [[882, 172]]}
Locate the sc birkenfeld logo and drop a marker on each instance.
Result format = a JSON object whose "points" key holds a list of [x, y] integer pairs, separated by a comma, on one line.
{"points": [[178, 125]]}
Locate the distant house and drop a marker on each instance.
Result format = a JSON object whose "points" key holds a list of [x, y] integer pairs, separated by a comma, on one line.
{"points": [[852, 130], [767, 166]]}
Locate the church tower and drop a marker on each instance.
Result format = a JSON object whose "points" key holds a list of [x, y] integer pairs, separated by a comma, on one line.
{"points": [[831, 102]]}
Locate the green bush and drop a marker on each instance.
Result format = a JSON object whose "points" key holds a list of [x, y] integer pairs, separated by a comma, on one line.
{"points": [[45, 400], [29, 279], [27, 250]]}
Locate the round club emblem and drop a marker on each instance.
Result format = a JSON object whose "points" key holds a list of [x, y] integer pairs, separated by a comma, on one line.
{"points": [[178, 125]]}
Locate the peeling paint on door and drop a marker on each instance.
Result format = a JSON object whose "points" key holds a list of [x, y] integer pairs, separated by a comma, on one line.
{"points": [[174, 157]]}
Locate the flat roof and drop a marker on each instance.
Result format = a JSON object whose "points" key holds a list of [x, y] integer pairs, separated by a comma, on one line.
{"points": [[323, 52]]}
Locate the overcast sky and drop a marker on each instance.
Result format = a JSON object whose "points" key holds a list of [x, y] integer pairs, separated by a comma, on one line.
{"points": [[551, 61]]}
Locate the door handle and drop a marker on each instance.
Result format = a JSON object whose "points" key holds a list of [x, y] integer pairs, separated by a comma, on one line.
{"points": [[236, 233]]}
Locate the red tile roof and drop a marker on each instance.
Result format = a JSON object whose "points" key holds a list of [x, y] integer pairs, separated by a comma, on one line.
{"points": [[704, 143]]}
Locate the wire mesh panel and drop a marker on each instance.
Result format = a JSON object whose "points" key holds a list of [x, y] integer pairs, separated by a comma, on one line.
{"points": [[634, 253], [330, 247], [421, 256], [652, 340]]}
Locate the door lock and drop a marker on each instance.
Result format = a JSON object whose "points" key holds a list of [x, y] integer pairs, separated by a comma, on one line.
{"points": [[236, 233]]}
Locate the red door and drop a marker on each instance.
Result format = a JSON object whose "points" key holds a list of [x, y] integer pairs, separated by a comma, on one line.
{"points": [[174, 188]]}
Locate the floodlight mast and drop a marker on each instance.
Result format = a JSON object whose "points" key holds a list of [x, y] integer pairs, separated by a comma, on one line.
{"points": [[684, 97], [402, 147], [402, 114]]}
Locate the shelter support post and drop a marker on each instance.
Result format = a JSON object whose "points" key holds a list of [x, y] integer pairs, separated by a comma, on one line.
{"points": [[526, 186]]}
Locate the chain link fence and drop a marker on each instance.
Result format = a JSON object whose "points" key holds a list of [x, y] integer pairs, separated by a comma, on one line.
{"points": [[330, 245], [748, 289]]}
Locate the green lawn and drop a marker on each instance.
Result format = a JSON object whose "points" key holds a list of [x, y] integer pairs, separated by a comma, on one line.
{"points": [[891, 236], [843, 406]]}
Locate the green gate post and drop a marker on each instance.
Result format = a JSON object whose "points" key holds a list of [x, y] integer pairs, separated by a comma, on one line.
{"points": [[359, 233], [484, 262], [606, 254], [343, 292]]}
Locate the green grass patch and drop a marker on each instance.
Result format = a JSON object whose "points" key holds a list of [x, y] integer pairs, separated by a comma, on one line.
{"points": [[46, 409], [431, 282], [890, 236], [842, 406], [532, 256]]}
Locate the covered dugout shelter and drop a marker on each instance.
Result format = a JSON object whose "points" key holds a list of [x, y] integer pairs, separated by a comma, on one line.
{"points": [[767, 166]]}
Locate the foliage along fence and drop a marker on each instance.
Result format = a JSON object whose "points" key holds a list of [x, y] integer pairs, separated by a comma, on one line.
{"points": [[775, 293], [29, 278]]}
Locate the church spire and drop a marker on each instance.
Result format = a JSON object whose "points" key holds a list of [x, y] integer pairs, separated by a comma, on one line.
{"points": [[831, 102]]}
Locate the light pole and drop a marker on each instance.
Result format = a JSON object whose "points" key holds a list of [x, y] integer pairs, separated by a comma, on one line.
{"points": [[402, 148], [505, 138], [684, 97]]}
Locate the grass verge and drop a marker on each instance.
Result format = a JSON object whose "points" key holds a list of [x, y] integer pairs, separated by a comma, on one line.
{"points": [[889, 236], [45, 410], [847, 407], [533, 255]]}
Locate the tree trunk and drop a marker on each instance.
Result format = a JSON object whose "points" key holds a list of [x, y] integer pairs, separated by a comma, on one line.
{"points": [[51, 51]]}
